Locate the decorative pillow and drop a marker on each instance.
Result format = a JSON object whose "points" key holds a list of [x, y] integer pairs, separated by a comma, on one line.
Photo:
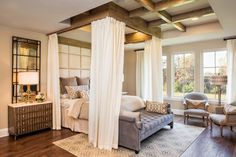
{"points": [[84, 94], [73, 91], [229, 108], [196, 104], [83, 87], [70, 81], [131, 103], [83, 81], [157, 107]]}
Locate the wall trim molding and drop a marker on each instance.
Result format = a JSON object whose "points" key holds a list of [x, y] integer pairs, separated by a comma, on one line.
{"points": [[4, 132], [178, 111]]}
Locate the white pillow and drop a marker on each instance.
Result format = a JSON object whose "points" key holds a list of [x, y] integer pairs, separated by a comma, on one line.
{"points": [[131, 103]]}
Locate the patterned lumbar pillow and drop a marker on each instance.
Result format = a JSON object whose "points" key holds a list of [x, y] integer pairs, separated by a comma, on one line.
{"points": [[73, 91], [196, 104], [157, 107]]}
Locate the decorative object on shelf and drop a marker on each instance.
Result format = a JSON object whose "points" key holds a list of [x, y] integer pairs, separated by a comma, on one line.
{"points": [[40, 97], [28, 78], [219, 81], [26, 56]]}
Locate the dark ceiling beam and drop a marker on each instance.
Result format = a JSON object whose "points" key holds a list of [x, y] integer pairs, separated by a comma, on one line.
{"points": [[112, 10], [136, 37], [148, 4], [159, 6], [184, 16]]}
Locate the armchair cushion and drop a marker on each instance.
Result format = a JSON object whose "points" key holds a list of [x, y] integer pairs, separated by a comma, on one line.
{"points": [[218, 119], [195, 104], [198, 112]]}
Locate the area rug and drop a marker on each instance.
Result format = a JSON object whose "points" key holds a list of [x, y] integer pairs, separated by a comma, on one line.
{"points": [[165, 143]]}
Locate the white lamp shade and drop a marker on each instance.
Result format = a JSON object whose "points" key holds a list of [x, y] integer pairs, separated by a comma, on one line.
{"points": [[28, 78]]}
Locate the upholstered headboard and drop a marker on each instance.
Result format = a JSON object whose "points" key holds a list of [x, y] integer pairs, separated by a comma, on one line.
{"points": [[74, 61]]}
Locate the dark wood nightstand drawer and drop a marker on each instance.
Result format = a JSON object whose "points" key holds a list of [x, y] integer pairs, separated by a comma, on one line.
{"points": [[26, 118]]}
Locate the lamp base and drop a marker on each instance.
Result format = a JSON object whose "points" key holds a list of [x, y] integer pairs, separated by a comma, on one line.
{"points": [[28, 95]]}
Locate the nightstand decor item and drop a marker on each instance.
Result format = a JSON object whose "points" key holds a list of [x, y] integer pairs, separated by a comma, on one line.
{"points": [[28, 78], [40, 97], [26, 56], [26, 118], [219, 81]]}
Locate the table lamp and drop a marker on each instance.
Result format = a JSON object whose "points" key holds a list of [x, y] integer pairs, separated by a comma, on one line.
{"points": [[28, 78], [219, 80]]}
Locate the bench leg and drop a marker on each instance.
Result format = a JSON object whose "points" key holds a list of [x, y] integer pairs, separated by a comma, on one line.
{"points": [[137, 151], [171, 125]]}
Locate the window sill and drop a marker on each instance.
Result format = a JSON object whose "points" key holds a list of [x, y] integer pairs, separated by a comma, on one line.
{"points": [[210, 101]]}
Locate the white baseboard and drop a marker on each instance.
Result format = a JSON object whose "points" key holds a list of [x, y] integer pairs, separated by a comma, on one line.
{"points": [[178, 111], [4, 132]]}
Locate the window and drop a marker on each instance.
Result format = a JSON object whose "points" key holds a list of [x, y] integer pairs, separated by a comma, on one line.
{"points": [[183, 74], [214, 63], [164, 64]]}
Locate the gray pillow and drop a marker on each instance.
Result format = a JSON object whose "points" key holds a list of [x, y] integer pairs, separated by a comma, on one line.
{"points": [[69, 81], [83, 81]]}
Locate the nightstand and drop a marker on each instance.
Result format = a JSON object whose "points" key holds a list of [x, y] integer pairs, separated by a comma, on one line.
{"points": [[25, 118]]}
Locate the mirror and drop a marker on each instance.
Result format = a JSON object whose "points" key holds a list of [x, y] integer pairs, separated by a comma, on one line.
{"points": [[26, 56]]}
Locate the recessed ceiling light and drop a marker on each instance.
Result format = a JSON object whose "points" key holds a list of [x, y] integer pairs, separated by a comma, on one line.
{"points": [[195, 18]]}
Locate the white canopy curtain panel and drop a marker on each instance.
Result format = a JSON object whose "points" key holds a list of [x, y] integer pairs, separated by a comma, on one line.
{"points": [[106, 82], [140, 73], [231, 71], [53, 86], [153, 74]]}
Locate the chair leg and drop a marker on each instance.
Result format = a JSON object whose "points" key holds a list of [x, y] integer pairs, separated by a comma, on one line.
{"points": [[221, 131], [207, 120], [231, 128], [211, 124], [184, 118]]}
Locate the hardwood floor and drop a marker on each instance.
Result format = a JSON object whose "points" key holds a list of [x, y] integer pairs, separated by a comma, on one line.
{"points": [[208, 144]]}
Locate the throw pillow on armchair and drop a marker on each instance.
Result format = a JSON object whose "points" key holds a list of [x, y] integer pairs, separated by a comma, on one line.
{"points": [[196, 104]]}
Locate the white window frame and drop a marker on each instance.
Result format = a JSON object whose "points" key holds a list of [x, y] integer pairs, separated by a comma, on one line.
{"points": [[202, 69], [173, 72], [165, 96]]}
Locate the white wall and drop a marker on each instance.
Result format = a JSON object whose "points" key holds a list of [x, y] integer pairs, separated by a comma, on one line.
{"points": [[6, 34]]}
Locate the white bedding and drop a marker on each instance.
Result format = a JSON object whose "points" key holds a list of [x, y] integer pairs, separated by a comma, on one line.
{"points": [[70, 113]]}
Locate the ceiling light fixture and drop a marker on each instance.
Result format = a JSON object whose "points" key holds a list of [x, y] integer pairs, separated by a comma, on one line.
{"points": [[195, 18]]}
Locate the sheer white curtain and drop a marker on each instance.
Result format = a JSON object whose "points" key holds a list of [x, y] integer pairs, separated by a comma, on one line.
{"points": [[106, 82], [53, 87], [153, 74], [231, 71], [139, 73]]}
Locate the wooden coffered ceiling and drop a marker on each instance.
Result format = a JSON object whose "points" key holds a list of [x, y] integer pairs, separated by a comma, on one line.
{"points": [[134, 18]]}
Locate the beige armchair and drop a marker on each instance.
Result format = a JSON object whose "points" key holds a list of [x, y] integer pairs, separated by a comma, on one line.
{"points": [[196, 104], [224, 116]]}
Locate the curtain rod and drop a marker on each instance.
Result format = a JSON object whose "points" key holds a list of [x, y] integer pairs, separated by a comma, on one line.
{"points": [[229, 38]]}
